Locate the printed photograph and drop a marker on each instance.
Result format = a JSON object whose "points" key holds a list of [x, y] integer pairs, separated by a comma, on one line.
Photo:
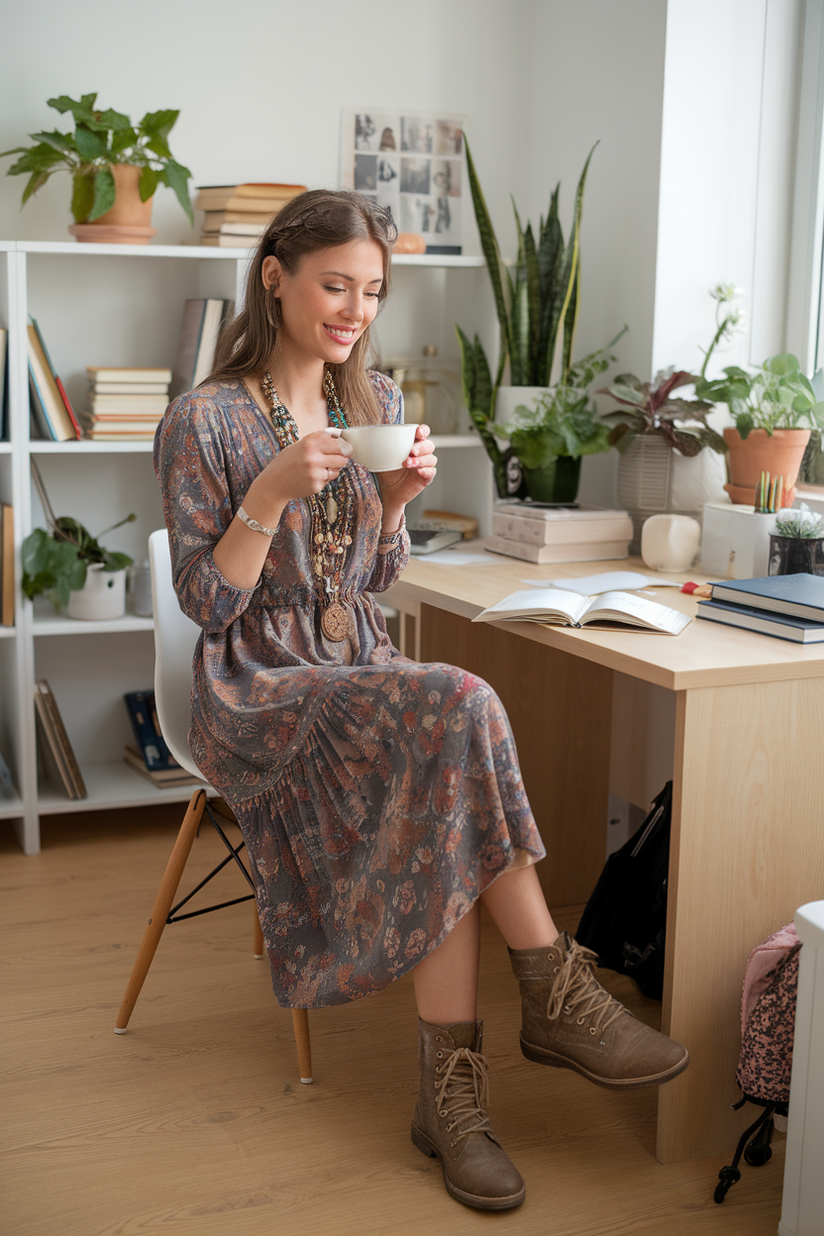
{"points": [[446, 177], [416, 134], [415, 175], [376, 131], [411, 164], [366, 172], [448, 138]]}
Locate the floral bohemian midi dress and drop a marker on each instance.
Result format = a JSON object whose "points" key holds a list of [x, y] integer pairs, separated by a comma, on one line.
{"points": [[378, 797]]}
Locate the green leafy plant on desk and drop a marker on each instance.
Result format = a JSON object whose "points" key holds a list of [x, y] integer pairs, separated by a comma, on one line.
{"points": [[55, 562], [564, 421]]}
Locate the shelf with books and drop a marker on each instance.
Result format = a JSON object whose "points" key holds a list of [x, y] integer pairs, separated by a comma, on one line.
{"points": [[122, 306], [54, 624], [109, 786]]}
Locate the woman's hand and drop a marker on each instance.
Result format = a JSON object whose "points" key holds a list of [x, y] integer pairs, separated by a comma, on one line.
{"points": [[300, 469], [418, 471]]}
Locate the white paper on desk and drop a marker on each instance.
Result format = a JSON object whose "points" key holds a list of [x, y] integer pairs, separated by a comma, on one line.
{"points": [[608, 581], [456, 557]]}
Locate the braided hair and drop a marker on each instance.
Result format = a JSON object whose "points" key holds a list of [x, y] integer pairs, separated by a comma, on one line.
{"points": [[315, 220]]}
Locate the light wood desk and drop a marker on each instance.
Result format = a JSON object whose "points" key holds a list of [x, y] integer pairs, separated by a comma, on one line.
{"points": [[747, 842]]}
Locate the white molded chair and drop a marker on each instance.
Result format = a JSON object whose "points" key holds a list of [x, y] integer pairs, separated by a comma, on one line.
{"points": [[175, 639]]}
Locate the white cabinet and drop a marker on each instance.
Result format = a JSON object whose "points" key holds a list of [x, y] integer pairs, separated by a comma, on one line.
{"points": [[121, 305]]}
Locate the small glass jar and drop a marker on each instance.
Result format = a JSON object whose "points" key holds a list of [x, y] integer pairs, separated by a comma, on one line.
{"points": [[141, 585]]}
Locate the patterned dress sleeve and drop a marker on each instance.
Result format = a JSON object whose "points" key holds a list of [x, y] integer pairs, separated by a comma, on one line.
{"points": [[388, 566], [190, 458]]}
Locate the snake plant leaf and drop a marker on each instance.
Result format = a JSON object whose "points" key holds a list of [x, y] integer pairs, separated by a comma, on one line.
{"points": [[570, 270], [550, 259], [528, 256], [104, 192], [489, 245]]}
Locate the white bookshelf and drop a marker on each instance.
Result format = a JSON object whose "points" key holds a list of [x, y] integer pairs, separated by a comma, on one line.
{"points": [[122, 305]]}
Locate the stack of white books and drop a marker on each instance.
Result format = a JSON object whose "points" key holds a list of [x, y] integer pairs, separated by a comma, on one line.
{"points": [[578, 533], [125, 404]]}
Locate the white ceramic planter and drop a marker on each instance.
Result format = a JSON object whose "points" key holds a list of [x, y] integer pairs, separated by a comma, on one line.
{"points": [[654, 479], [511, 397], [102, 596]]}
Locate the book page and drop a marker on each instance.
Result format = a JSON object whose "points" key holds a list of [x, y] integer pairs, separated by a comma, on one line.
{"points": [[636, 610], [537, 604]]}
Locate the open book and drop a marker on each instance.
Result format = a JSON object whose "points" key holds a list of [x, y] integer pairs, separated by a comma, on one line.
{"points": [[569, 609]]}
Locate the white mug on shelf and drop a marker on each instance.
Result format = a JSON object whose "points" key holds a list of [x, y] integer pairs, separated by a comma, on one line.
{"points": [[670, 542]]}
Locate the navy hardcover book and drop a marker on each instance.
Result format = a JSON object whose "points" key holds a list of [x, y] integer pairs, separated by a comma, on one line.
{"points": [[142, 714], [800, 595], [783, 626]]}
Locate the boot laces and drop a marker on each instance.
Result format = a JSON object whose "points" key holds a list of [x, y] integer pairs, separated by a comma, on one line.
{"points": [[463, 1093], [576, 987]]}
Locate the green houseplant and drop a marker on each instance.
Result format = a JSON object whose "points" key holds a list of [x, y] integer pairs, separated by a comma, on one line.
{"points": [[661, 438], [56, 562], [550, 438], [102, 140], [537, 306], [768, 406]]}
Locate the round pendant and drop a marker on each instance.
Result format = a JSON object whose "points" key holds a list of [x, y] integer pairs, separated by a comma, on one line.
{"points": [[335, 622]]}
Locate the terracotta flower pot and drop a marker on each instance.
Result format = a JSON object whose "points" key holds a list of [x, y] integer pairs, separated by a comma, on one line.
{"points": [[780, 454], [129, 220]]}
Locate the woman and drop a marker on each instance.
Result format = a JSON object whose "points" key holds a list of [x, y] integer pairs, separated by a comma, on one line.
{"points": [[380, 799]]}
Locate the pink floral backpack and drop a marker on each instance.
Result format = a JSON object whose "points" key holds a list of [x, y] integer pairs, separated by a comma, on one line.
{"points": [[765, 1062]]}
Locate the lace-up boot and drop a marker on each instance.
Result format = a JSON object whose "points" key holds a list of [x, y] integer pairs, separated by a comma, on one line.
{"points": [[451, 1122], [571, 1022]]}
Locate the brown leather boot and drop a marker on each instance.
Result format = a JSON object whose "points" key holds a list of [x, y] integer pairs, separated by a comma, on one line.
{"points": [[451, 1123], [571, 1022]]}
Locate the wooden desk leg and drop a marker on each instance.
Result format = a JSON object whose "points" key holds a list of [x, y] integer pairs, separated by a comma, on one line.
{"points": [[747, 850]]}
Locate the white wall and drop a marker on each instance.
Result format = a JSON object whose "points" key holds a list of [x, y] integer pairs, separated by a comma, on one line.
{"points": [[597, 74], [260, 85]]}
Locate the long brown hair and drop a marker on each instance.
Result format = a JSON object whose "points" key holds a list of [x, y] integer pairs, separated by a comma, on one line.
{"points": [[318, 219]]}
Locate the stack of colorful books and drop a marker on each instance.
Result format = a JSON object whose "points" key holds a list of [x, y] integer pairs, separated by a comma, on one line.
{"points": [[578, 533], [125, 404], [785, 606], [236, 216]]}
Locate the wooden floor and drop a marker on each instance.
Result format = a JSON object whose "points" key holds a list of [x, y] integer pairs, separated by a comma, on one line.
{"points": [[194, 1123]]}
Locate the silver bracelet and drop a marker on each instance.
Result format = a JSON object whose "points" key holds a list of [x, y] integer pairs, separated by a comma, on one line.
{"points": [[253, 523]]}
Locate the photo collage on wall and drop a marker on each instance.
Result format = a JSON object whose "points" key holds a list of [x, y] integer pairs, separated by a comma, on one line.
{"points": [[411, 162]]}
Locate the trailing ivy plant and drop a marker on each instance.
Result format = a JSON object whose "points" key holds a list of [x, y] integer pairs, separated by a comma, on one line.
{"points": [[100, 139]]}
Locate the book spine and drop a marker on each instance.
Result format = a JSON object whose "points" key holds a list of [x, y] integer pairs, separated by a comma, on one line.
{"points": [[140, 705], [52, 747], [564, 531], [62, 739], [595, 551], [7, 565]]}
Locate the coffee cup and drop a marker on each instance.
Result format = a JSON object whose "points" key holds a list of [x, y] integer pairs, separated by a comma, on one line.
{"points": [[380, 448]]}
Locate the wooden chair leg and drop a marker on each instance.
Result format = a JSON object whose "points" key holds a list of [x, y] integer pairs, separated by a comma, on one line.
{"points": [[257, 939], [162, 905], [300, 1023]]}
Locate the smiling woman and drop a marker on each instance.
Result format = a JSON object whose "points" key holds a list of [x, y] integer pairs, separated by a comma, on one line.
{"points": [[379, 799]]}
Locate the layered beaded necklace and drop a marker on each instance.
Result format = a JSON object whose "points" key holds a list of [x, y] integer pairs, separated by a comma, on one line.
{"points": [[332, 512]]}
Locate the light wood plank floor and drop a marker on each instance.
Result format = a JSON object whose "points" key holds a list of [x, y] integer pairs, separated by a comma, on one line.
{"points": [[195, 1124]]}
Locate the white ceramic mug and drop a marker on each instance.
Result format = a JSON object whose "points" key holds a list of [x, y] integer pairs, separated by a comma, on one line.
{"points": [[380, 448], [670, 542]]}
